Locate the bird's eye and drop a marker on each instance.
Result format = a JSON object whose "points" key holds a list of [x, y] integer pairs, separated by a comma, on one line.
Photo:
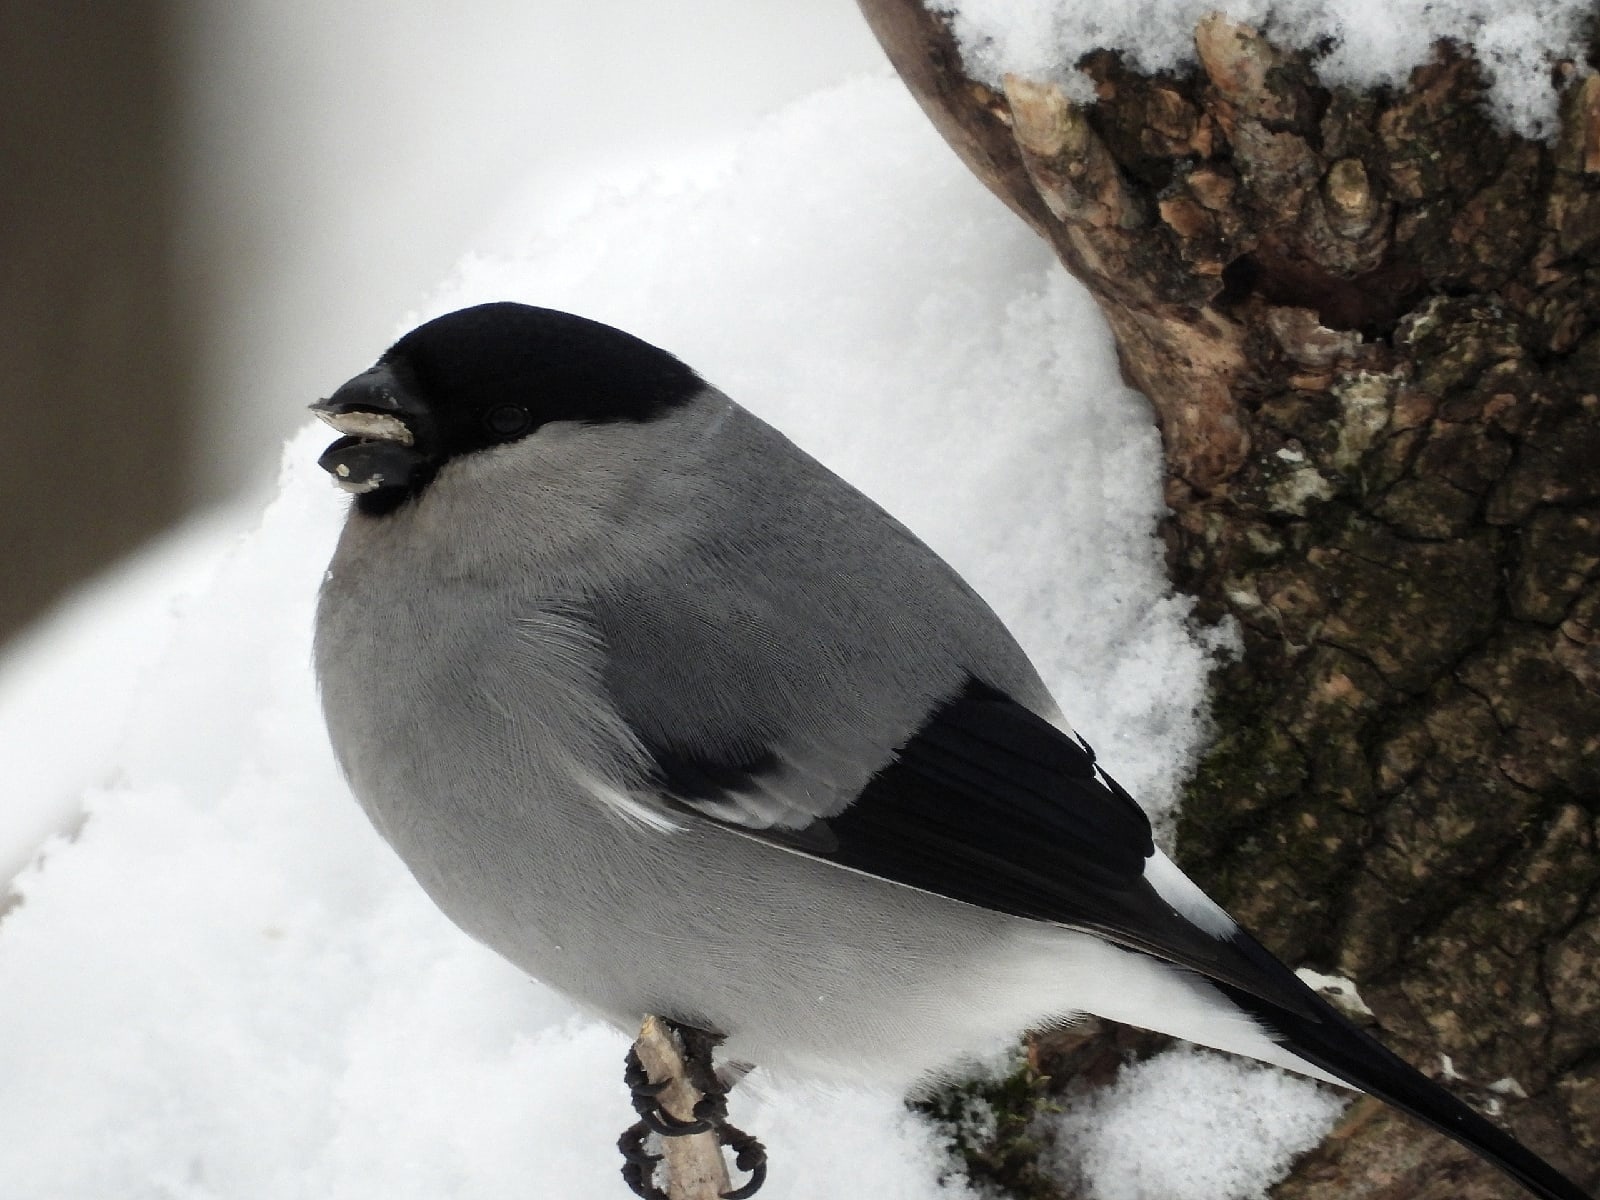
{"points": [[507, 420]]}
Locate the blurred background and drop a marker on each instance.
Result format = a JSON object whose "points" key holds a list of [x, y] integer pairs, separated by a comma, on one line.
{"points": [[214, 213]]}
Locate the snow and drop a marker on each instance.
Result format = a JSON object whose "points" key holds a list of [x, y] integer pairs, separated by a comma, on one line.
{"points": [[928, 347], [1369, 42], [1337, 991], [68, 685], [223, 984], [1171, 1126]]}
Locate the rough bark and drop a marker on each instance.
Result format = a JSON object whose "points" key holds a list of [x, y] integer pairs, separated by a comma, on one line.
{"points": [[1369, 324]]}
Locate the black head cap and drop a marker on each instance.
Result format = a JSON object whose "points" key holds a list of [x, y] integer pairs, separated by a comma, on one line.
{"points": [[484, 376]]}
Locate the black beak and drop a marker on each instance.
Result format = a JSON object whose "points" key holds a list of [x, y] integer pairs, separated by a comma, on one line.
{"points": [[375, 404], [381, 419]]}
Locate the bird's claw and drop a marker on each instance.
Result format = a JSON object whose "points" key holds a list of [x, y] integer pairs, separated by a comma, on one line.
{"points": [[639, 1165], [710, 1114], [632, 1145], [637, 1078], [748, 1155], [712, 1109], [658, 1121], [646, 1103]]}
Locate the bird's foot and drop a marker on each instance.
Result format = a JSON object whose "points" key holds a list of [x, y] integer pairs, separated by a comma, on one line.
{"points": [[647, 1103], [748, 1155], [639, 1165], [710, 1114]]}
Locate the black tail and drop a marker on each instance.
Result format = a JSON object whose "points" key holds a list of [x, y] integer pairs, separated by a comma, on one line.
{"points": [[1325, 1039]]}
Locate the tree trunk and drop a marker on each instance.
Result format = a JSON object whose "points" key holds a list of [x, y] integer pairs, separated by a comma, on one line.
{"points": [[98, 402], [1370, 327]]}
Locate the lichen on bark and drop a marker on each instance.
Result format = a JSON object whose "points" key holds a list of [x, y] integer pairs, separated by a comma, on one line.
{"points": [[1369, 324]]}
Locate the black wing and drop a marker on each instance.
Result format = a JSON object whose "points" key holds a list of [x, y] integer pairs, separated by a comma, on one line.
{"points": [[991, 805]]}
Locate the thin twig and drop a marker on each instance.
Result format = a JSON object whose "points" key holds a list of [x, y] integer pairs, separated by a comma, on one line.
{"points": [[694, 1167]]}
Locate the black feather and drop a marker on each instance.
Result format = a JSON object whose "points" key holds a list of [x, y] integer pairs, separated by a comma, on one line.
{"points": [[690, 777], [989, 804], [1325, 1039]]}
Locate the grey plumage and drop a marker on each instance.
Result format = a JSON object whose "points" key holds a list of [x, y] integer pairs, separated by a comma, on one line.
{"points": [[522, 799], [676, 720]]}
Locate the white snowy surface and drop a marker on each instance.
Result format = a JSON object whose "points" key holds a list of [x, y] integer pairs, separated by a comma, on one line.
{"points": [[224, 985], [1371, 42], [1337, 991], [68, 685], [1172, 1127]]}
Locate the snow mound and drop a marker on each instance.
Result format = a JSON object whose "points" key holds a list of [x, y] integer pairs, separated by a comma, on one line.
{"points": [[1174, 1125], [1361, 44], [224, 984]]}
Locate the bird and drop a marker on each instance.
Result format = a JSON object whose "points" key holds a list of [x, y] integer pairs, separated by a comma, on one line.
{"points": [[669, 715]]}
